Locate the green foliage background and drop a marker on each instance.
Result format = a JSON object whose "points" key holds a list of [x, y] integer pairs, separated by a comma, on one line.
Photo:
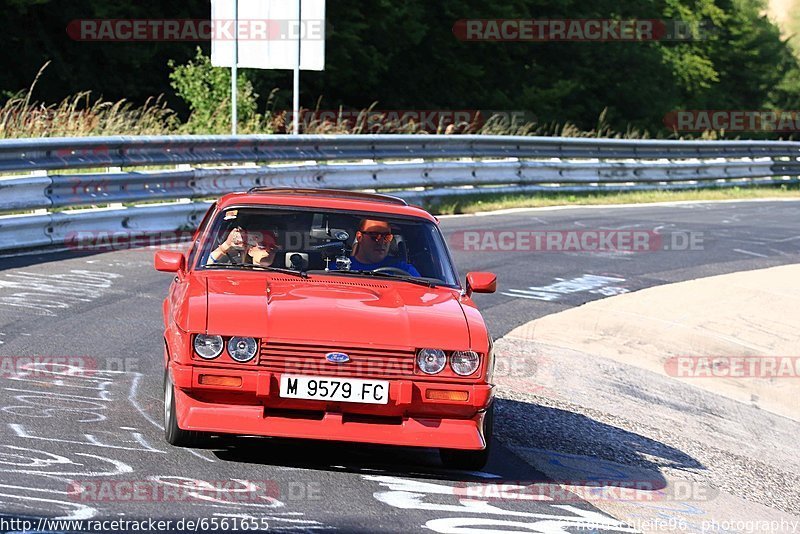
{"points": [[403, 54]]}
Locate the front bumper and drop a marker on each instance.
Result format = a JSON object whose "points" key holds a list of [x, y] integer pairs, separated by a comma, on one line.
{"points": [[255, 408]]}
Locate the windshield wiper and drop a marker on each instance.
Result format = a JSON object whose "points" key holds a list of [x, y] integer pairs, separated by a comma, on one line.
{"points": [[301, 274], [410, 279]]}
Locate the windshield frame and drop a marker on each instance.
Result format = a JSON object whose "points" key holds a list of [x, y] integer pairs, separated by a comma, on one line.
{"points": [[213, 225]]}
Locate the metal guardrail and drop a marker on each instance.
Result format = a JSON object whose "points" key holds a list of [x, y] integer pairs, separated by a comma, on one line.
{"points": [[416, 166]]}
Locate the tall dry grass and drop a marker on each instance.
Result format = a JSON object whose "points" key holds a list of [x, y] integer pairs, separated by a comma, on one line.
{"points": [[368, 121], [82, 115]]}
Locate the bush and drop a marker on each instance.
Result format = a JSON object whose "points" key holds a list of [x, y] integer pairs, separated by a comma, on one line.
{"points": [[207, 91]]}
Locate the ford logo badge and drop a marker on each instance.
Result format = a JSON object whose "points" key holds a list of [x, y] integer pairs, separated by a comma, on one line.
{"points": [[337, 357]]}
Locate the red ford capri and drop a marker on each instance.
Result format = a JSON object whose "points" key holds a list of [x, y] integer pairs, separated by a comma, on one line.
{"points": [[328, 315]]}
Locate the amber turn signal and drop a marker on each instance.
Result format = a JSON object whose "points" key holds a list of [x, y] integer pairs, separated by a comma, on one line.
{"points": [[213, 380], [443, 394]]}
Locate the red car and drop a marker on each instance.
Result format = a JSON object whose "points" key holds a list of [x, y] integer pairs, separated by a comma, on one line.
{"points": [[330, 315]]}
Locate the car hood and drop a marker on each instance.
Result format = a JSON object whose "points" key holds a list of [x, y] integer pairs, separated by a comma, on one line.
{"points": [[345, 311]]}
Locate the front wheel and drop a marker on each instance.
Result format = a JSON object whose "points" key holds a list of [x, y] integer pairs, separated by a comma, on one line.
{"points": [[471, 460], [172, 432]]}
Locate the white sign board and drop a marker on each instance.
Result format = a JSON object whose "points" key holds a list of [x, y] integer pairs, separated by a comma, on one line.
{"points": [[268, 33]]}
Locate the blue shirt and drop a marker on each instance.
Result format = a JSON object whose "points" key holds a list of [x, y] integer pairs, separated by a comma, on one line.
{"points": [[388, 261]]}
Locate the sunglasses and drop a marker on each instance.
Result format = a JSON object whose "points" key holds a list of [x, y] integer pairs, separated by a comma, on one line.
{"points": [[380, 236]]}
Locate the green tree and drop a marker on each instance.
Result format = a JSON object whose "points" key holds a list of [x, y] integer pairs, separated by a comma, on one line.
{"points": [[403, 54]]}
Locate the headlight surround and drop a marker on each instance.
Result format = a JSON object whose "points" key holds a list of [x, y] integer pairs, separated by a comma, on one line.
{"points": [[431, 361], [465, 362], [208, 347], [242, 349]]}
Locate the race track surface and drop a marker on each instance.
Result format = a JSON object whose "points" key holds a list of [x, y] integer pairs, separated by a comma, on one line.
{"points": [[103, 429]]}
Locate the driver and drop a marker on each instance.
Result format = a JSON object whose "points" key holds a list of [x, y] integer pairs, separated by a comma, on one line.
{"points": [[371, 248], [241, 247]]}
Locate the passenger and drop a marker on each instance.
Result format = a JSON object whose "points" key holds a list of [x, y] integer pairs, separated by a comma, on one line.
{"points": [[260, 249], [371, 249]]}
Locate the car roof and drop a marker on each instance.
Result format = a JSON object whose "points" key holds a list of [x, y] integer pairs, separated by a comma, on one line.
{"points": [[325, 198]]}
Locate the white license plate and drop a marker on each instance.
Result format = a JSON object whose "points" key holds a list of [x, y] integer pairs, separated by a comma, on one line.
{"points": [[335, 389]]}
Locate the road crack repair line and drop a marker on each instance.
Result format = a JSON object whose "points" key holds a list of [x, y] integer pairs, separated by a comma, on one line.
{"points": [[606, 286], [46, 294], [472, 513], [132, 398], [50, 469]]}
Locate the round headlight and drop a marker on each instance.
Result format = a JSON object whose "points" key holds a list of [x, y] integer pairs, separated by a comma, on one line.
{"points": [[208, 347], [242, 349], [465, 363], [431, 361]]}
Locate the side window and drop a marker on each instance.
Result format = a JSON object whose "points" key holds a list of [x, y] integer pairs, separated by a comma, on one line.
{"points": [[421, 255], [199, 233], [405, 243]]}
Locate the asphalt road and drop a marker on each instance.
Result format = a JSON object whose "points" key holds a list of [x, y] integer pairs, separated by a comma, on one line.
{"points": [[103, 429]]}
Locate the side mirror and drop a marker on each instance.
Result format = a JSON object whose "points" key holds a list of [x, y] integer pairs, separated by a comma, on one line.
{"points": [[167, 261], [481, 283]]}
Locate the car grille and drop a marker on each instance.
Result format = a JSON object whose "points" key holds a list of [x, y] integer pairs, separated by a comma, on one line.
{"points": [[310, 360]]}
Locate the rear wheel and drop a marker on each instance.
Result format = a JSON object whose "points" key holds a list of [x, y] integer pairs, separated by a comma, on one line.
{"points": [[172, 433], [471, 460]]}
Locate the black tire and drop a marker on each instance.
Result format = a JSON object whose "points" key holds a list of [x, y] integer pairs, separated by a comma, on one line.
{"points": [[172, 432], [471, 460]]}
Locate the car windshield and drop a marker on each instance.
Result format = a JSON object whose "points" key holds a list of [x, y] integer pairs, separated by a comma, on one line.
{"points": [[336, 243]]}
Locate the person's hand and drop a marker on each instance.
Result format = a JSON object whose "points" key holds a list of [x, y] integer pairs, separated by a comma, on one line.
{"points": [[235, 240]]}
